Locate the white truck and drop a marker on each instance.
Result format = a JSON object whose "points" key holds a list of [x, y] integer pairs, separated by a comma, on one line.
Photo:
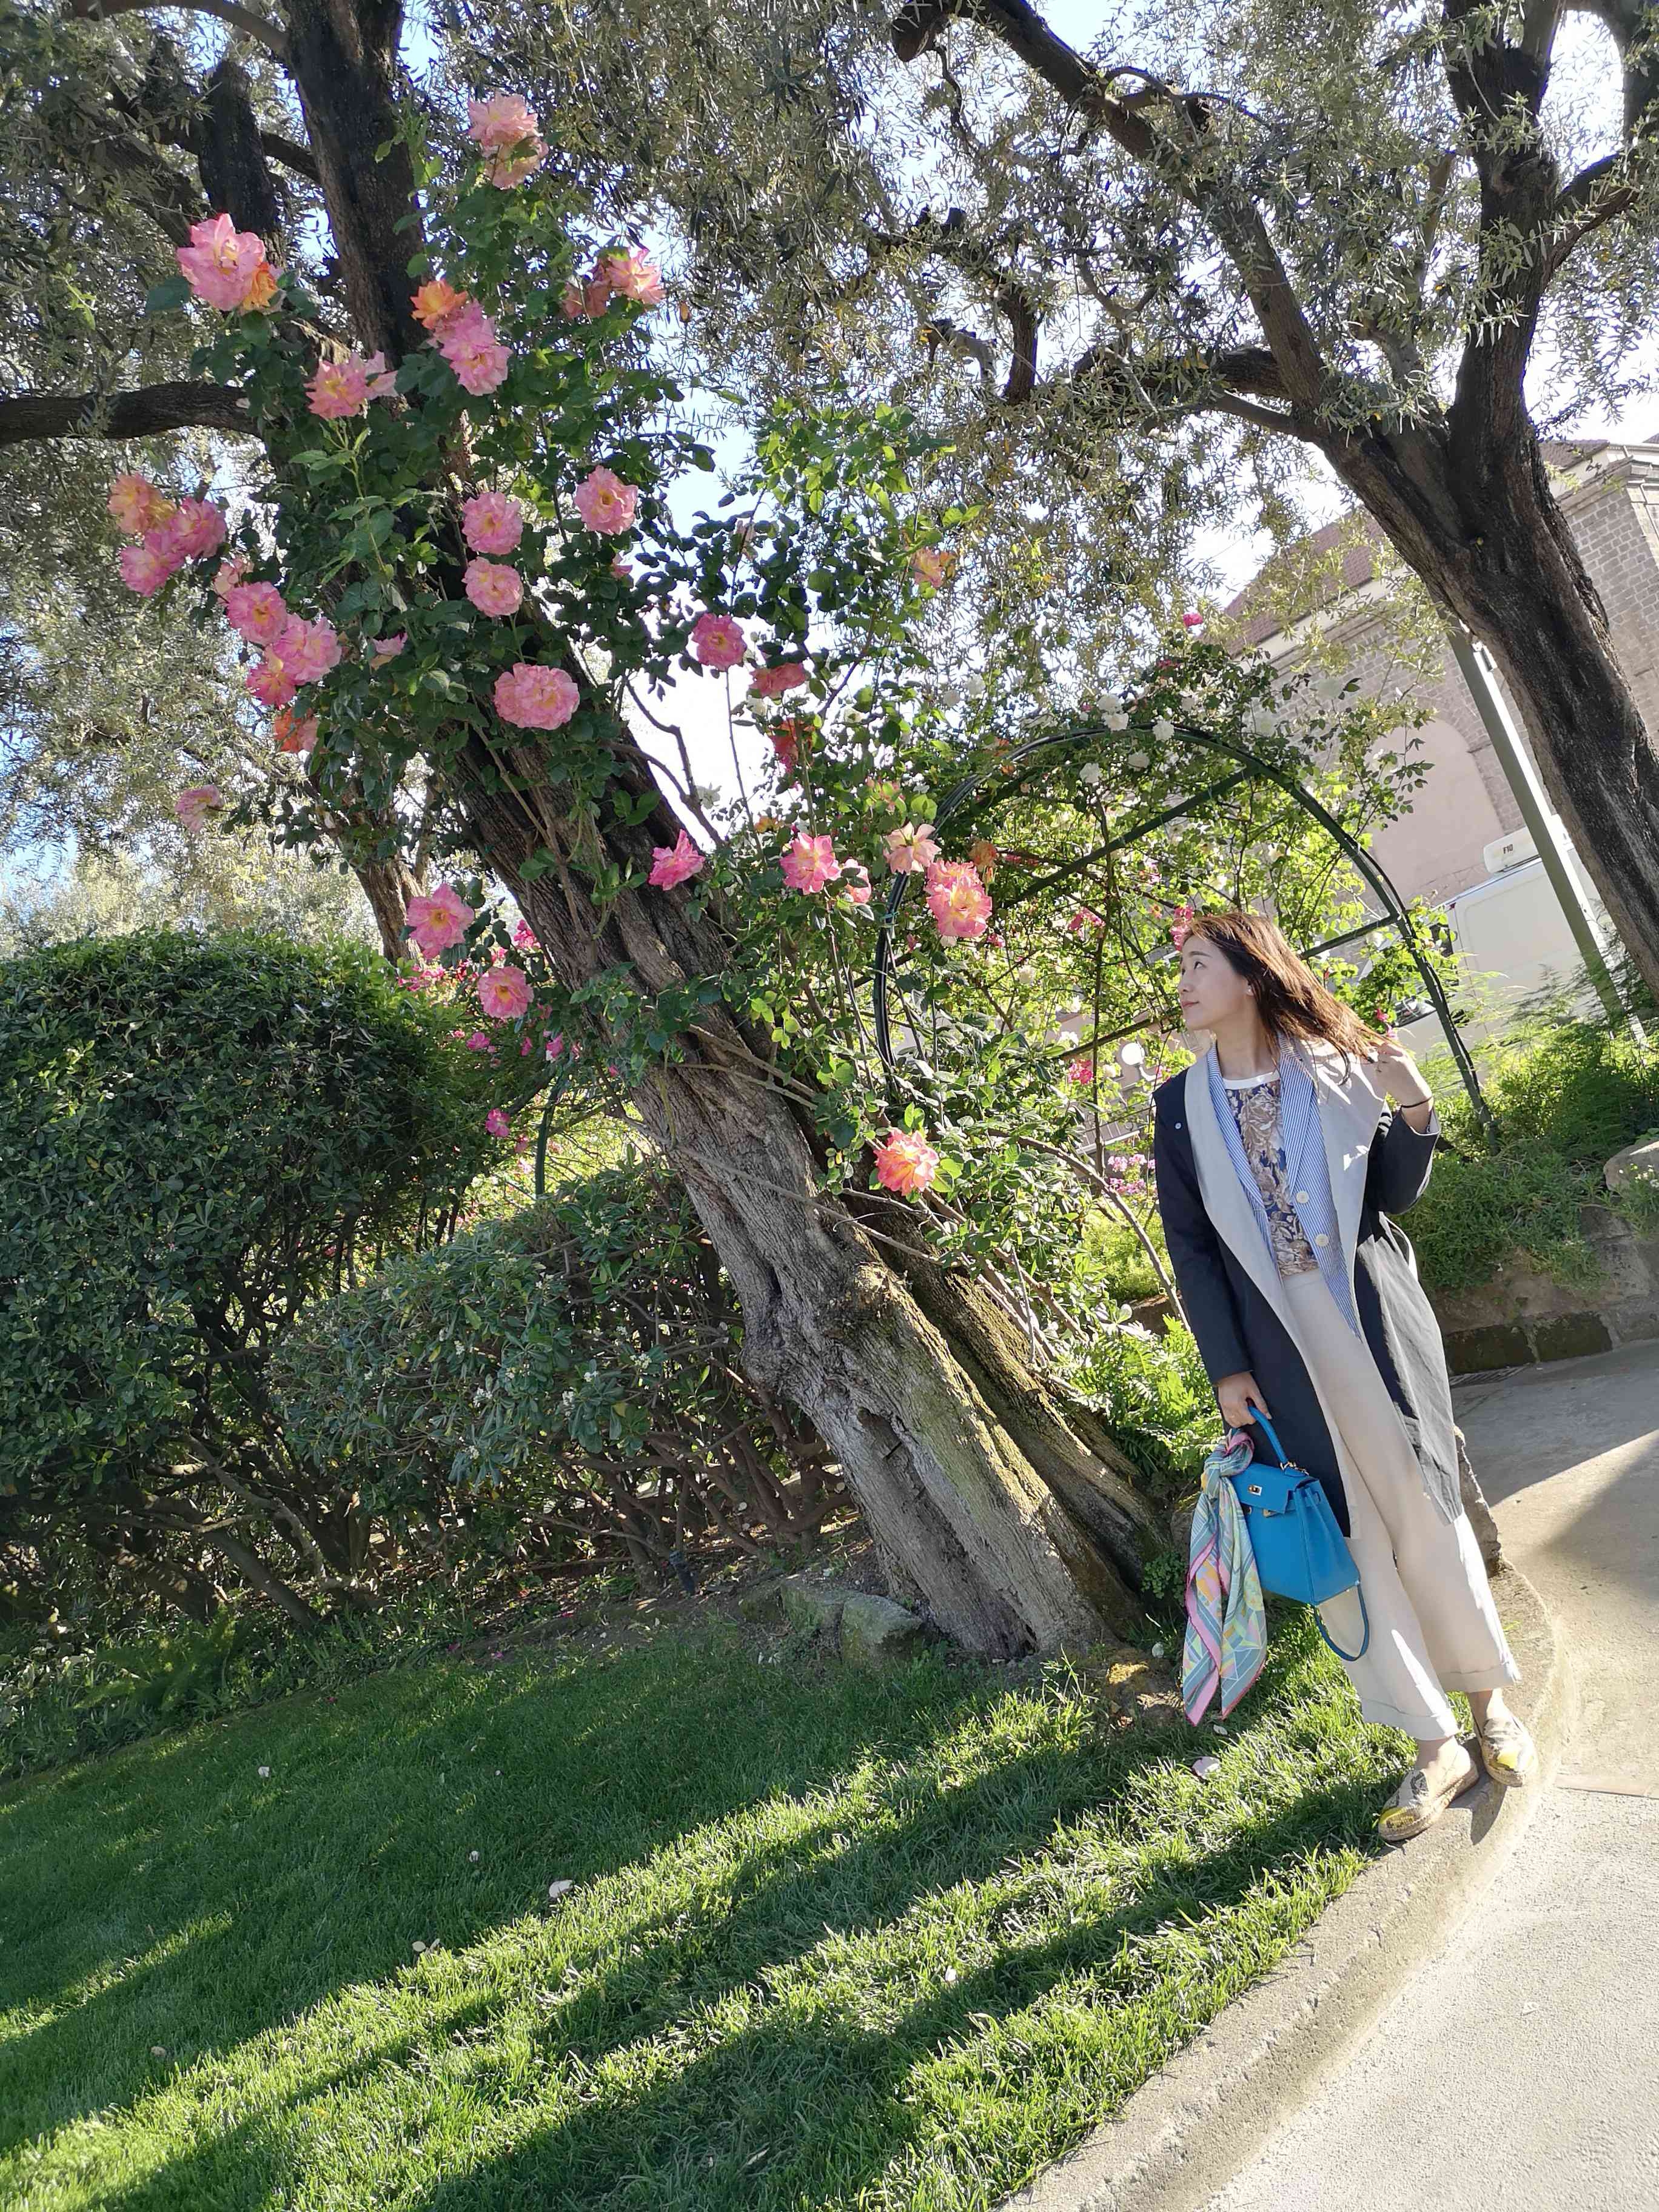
{"points": [[1512, 938]]}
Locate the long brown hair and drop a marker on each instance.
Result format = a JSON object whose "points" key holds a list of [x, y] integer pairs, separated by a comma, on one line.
{"points": [[1290, 998]]}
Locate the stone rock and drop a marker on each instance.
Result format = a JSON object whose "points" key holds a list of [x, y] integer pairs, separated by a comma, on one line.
{"points": [[811, 1602], [1634, 1163], [876, 1634], [762, 1599]]}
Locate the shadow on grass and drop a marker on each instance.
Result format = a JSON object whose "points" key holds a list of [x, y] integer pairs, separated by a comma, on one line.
{"points": [[318, 1880]]}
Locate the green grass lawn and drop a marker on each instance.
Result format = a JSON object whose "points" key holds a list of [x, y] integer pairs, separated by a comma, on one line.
{"points": [[833, 1941]]}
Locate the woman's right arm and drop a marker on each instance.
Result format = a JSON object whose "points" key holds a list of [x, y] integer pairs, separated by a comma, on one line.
{"points": [[1206, 1294]]}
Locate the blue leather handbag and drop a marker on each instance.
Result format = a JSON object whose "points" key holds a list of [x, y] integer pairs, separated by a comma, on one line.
{"points": [[1300, 1552]]}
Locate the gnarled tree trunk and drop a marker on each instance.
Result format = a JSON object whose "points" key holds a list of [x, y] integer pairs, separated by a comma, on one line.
{"points": [[986, 1502]]}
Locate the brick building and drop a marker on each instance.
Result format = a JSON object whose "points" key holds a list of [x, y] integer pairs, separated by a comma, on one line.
{"points": [[1330, 586]]}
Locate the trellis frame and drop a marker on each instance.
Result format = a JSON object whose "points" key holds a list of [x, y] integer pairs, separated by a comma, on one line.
{"points": [[1252, 767]]}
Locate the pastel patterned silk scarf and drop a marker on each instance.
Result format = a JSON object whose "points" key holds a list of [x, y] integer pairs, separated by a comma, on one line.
{"points": [[1305, 1169]]}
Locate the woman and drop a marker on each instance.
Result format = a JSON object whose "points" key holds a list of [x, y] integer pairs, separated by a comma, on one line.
{"points": [[1277, 1165]]}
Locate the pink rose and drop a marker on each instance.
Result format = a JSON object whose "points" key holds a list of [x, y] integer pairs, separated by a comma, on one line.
{"points": [[493, 588], [272, 681], [504, 993], [143, 569], [388, 648], [534, 697], [138, 505], [226, 267], [256, 612], [229, 574], [473, 351], [605, 502], [718, 641], [621, 568], [497, 1123], [195, 528], [344, 387], [477, 1042], [770, 682], [504, 128], [855, 882], [956, 899], [905, 1162], [194, 806], [632, 275], [809, 863], [491, 522], [910, 846], [672, 864], [928, 565], [438, 919], [309, 649]]}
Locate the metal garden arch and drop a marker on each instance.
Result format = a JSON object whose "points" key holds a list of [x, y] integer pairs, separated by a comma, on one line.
{"points": [[1253, 767]]}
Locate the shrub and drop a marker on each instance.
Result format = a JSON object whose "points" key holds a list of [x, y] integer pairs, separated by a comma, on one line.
{"points": [[1565, 1097], [564, 1383], [200, 1135]]}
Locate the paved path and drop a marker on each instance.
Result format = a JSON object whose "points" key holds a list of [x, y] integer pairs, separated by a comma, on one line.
{"points": [[1541, 2016]]}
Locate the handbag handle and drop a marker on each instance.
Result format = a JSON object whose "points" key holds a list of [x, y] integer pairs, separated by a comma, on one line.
{"points": [[1259, 1420]]}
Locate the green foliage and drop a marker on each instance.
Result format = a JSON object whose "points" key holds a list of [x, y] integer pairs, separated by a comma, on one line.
{"points": [[1566, 1098], [547, 1380], [200, 1136], [1154, 1391]]}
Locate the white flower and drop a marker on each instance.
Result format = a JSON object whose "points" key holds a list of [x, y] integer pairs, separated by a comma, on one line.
{"points": [[950, 1974], [1025, 973], [1263, 722], [1138, 760], [1162, 729], [264, 1774], [473, 1856], [1091, 772]]}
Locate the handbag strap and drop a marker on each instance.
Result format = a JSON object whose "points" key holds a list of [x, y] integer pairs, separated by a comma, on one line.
{"points": [[1307, 1570]]}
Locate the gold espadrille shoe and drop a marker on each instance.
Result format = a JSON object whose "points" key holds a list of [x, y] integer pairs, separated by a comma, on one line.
{"points": [[1417, 1804], [1510, 1754]]}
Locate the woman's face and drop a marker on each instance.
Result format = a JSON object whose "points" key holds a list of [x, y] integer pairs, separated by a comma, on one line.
{"points": [[1211, 989]]}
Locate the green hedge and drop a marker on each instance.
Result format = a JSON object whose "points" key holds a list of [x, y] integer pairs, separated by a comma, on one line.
{"points": [[200, 1135], [553, 1387]]}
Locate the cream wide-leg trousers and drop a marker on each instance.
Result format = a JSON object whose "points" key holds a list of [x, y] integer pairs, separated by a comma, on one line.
{"points": [[1434, 1626]]}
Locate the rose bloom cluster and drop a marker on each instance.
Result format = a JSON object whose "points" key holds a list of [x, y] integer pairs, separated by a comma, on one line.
{"points": [[621, 273], [170, 532]]}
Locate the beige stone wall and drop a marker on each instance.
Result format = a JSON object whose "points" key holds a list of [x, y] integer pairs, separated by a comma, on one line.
{"points": [[1613, 511]]}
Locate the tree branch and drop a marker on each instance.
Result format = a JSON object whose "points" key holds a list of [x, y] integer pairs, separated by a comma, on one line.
{"points": [[141, 414], [297, 158], [269, 34]]}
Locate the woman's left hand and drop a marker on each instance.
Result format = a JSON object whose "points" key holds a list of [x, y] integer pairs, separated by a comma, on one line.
{"points": [[1396, 1072]]}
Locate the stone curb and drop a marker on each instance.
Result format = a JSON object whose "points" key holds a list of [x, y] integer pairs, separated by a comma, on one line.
{"points": [[1190, 2129]]}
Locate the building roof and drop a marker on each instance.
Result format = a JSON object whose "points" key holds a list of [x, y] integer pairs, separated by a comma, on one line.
{"points": [[1313, 572]]}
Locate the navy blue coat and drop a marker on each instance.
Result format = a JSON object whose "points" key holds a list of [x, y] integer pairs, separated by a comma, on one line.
{"points": [[1236, 1328]]}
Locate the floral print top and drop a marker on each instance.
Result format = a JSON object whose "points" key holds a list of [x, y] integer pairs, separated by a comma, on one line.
{"points": [[1255, 1109]]}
